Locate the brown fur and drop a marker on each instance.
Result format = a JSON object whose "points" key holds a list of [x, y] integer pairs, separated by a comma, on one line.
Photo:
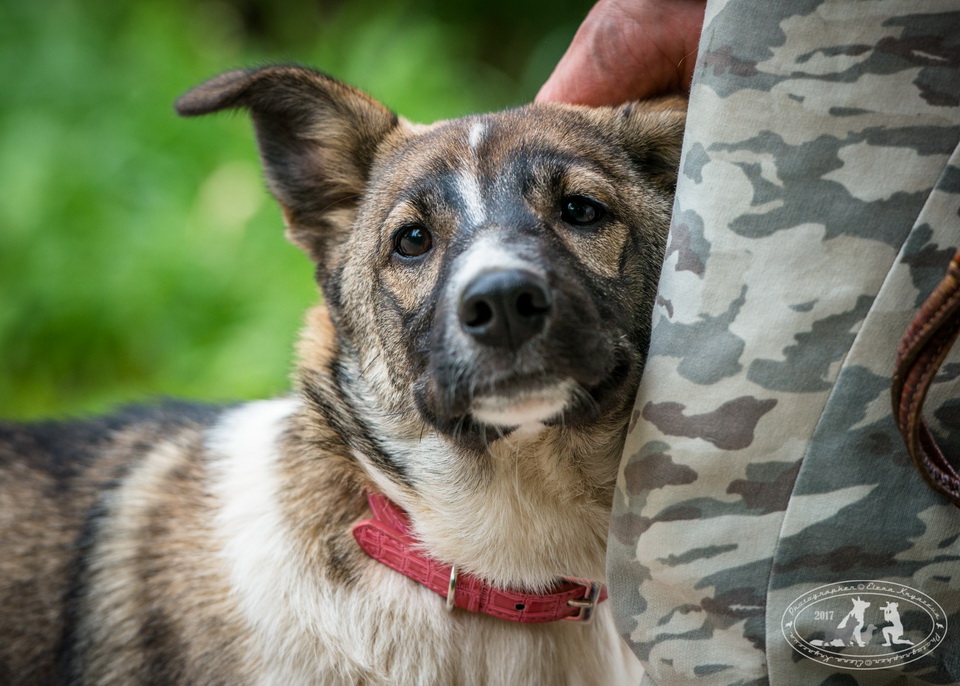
{"points": [[196, 545]]}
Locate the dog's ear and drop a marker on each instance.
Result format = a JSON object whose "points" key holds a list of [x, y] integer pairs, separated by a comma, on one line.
{"points": [[317, 136], [652, 132]]}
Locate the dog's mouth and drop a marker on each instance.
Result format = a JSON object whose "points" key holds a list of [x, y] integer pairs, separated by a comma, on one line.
{"points": [[464, 405]]}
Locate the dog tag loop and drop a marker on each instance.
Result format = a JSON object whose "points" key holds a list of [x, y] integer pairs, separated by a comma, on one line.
{"points": [[452, 588]]}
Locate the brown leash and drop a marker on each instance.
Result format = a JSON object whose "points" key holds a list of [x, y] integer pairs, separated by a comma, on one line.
{"points": [[924, 347]]}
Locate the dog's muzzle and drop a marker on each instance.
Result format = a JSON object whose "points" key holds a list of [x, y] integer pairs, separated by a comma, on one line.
{"points": [[505, 308]]}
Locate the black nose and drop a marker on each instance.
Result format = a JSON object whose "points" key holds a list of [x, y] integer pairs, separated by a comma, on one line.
{"points": [[505, 308]]}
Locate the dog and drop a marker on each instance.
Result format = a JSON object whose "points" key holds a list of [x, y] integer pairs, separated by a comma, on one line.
{"points": [[460, 405]]}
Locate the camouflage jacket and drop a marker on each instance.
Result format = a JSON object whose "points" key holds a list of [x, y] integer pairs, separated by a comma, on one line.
{"points": [[769, 525]]}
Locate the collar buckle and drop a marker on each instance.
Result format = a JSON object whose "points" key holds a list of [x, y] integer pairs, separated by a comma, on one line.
{"points": [[588, 603]]}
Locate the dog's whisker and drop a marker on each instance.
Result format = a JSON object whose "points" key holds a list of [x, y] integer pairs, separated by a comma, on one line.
{"points": [[376, 358], [344, 199], [583, 395], [400, 413]]}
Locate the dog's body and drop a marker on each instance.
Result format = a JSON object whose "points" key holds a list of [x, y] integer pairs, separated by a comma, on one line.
{"points": [[488, 284]]}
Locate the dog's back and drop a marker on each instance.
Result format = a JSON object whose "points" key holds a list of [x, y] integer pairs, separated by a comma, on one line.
{"points": [[58, 480]]}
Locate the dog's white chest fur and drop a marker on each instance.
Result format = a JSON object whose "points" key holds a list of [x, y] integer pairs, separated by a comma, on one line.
{"points": [[383, 627]]}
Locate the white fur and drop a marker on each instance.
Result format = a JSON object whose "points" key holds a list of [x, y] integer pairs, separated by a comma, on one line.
{"points": [[468, 182], [524, 410], [261, 558], [469, 186], [487, 253], [511, 531], [476, 134]]}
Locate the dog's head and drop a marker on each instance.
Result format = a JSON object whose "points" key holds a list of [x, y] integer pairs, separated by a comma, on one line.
{"points": [[492, 271]]}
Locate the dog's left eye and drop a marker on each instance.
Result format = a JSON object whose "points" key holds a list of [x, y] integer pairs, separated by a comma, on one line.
{"points": [[412, 240], [581, 211]]}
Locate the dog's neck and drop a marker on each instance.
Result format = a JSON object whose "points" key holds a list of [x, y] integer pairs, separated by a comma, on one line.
{"points": [[529, 508], [537, 509]]}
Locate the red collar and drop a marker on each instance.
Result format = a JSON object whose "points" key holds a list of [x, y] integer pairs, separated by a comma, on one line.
{"points": [[387, 539]]}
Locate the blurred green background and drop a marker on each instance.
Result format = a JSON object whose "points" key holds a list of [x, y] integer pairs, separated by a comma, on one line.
{"points": [[139, 253]]}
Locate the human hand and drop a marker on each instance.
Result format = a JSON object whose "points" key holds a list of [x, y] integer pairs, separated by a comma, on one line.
{"points": [[628, 50]]}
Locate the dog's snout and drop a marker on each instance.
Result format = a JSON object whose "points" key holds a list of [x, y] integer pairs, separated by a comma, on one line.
{"points": [[505, 308]]}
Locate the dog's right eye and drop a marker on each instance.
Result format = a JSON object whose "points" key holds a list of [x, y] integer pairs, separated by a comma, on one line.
{"points": [[412, 240]]}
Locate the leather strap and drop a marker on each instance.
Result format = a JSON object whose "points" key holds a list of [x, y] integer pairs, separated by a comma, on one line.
{"points": [[924, 347], [387, 539]]}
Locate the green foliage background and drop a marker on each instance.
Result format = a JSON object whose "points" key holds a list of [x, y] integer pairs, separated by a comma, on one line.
{"points": [[139, 253]]}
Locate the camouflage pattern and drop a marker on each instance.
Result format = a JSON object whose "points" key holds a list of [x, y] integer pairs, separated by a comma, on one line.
{"points": [[817, 207]]}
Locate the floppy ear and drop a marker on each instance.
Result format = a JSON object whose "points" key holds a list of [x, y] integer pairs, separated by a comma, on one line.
{"points": [[652, 133], [317, 136]]}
